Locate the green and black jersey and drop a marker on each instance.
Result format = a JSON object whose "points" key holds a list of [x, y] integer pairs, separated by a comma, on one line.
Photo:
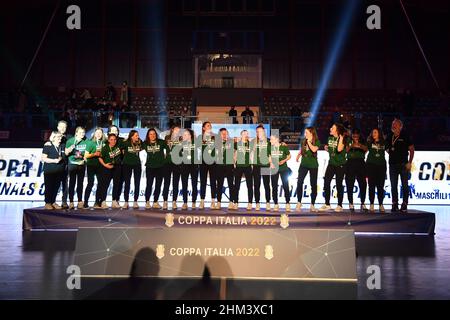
{"points": [[157, 153], [279, 153], [76, 157], [376, 153], [309, 158], [92, 147], [111, 154], [261, 152], [131, 152], [208, 148], [336, 158], [243, 150], [225, 152], [355, 152], [171, 144]]}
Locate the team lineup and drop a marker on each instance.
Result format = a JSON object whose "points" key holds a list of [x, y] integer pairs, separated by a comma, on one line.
{"points": [[214, 157]]}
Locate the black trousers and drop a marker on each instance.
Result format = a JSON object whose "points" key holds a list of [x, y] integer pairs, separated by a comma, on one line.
{"points": [[127, 171], [394, 171], [339, 172], [65, 185], [285, 184], [52, 181], [92, 172], [106, 175], [247, 172], [356, 170], [76, 176], [153, 175], [302, 172], [186, 171], [206, 169], [376, 177], [171, 171], [256, 172], [225, 171]]}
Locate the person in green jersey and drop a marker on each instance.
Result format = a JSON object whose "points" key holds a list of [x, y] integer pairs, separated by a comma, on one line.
{"points": [[243, 167], [188, 167], [110, 158], [336, 166], [225, 167], [279, 156], [261, 166], [376, 168], [208, 165], [131, 165], [172, 172], [157, 153], [93, 153], [355, 169], [75, 149], [308, 154]]}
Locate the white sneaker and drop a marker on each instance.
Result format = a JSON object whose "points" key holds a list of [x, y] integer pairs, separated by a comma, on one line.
{"points": [[312, 208], [275, 207], [258, 207], [104, 205], [135, 205], [351, 207], [202, 204], [235, 206], [288, 207], [174, 205], [165, 205], [363, 207], [249, 207], [156, 205], [218, 206], [298, 207], [184, 206], [230, 205], [193, 205], [115, 205], [213, 204], [325, 208], [80, 205], [372, 208], [71, 206], [56, 206], [148, 205], [268, 206], [48, 206], [381, 208], [97, 206], [125, 205], [338, 209]]}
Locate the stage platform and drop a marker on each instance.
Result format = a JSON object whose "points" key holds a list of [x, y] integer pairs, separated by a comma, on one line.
{"points": [[413, 222]]}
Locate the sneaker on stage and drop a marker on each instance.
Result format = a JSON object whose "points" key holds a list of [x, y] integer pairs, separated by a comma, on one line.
{"points": [[312, 208], [125, 205], [268, 206], [298, 207], [56, 206], [184, 206], [80, 205], [363, 207], [230, 206], [338, 209], [71, 206], [372, 207], [258, 207], [115, 205], [156, 205], [104, 205], [64, 205], [404, 207], [218, 206], [381, 208], [249, 207], [193, 206], [213, 204], [202, 204], [48, 206], [275, 207], [174, 205], [325, 208], [165, 205], [394, 207], [351, 207], [135, 205], [86, 205], [288, 207], [148, 205], [97, 206]]}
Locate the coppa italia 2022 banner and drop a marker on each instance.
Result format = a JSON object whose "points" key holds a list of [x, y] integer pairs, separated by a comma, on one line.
{"points": [[22, 178]]}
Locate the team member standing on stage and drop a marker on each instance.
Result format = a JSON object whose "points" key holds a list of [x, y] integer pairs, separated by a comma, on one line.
{"points": [[336, 166], [243, 167], [119, 161], [356, 169], [109, 160], [157, 153], [172, 171], [75, 149], [261, 166], [376, 168], [62, 129], [132, 146], [225, 166], [279, 156], [399, 145], [93, 153], [208, 165], [308, 152], [54, 166], [189, 167]]}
